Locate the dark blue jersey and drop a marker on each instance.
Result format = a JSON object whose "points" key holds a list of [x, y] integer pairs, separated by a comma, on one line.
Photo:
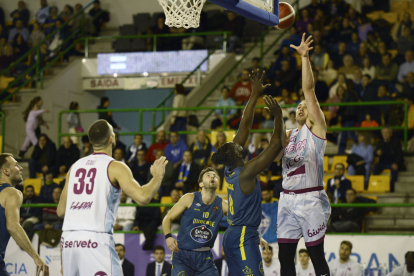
{"points": [[4, 234], [200, 224], [244, 210]]}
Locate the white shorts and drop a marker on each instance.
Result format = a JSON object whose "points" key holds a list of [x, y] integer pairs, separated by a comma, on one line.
{"points": [[303, 215], [86, 253]]}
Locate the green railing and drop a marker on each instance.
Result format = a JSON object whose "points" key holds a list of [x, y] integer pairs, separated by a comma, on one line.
{"points": [[224, 109]]}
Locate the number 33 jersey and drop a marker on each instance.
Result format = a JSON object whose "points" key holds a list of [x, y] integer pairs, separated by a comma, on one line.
{"points": [[302, 160], [92, 200]]}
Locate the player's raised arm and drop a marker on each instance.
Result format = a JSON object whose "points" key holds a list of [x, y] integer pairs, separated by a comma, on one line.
{"points": [[316, 115], [142, 195], [183, 204], [246, 122], [255, 166]]}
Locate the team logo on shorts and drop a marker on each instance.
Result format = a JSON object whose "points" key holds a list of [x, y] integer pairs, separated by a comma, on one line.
{"points": [[182, 273], [261, 268], [101, 273], [201, 234], [247, 271]]}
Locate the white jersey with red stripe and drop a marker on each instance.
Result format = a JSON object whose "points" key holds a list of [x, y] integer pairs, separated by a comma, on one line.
{"points": [[92, 200], [302, 160]]}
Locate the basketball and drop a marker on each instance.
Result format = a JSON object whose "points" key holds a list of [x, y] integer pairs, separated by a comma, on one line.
{"points": [[286, 16]]}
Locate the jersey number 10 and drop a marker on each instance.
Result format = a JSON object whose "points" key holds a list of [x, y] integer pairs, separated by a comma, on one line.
{"points": [[78, 188]]}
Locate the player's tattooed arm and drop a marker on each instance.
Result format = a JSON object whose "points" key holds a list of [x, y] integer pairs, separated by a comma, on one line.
{"points": [[63, 198], [225, 206]]}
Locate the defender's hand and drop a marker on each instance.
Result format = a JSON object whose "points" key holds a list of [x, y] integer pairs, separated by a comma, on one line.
{"points": [[272, 106], [264, 245], [304, 47], [158, 168], [172, 244], [256, 80]]}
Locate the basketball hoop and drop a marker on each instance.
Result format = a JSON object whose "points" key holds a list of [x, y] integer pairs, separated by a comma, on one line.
{"points": [[182, 13]]}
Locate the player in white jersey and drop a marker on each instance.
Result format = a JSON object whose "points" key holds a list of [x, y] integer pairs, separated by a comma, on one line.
{"points": [[304, 267], [344, 266], [304, 206], [89, 203]]}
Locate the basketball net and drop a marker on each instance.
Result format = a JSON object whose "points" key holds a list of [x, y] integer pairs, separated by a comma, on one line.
{"points": [[182, 13]]}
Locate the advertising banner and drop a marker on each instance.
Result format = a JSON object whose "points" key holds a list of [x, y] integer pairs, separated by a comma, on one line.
{"points": [[18, 262]]}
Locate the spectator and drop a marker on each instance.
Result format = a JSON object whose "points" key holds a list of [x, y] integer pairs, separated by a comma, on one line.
{"points": [[321, 89], [201, 149], [352, 47], [277, 66], [264, 143], [135, 147], [346, 30], [319, 58], [36, 36], [21, 13], [270, 267], [407, 66], [160, 266], [43, 56], [283, 79], [97, 22], [390, 156], [291, 123], [304, 268], [348, 68], [43, 13], [406, 269], [294, 39], [383, 95], [221, 264], [50, 219], [408, 85], [128, 268], [369, 122], [18, 29], [19, 45], [387, 70], [230, 113], [107, 115], [335, 8], [365, 151], [328, 75], [126, 215], [195, 41], [338, 185], [60, 36], [368, 94], [87, 146], [186, 174], [267, 121], [242, 89], [348, 117], [302, 23], [337, 57], [400, 26], [363, 28], [313, 7], [168, 180], [179, 117], [255, 65], [372, 42], [74, 123], [66, 13], [340, 82], [175, 224], [344, 265], [147, 220], [235, 25], [405, 42], [119, 145], [268, 225], [160, 144], [368, 68], [46, 191], [118, 155], [43, 157], [67, 155], [140, 168], [29, 216], [159, 28], [175, 149], [363, 52], [50, 23]]}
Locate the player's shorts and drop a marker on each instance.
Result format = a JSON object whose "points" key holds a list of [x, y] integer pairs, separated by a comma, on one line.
{"points": [[86, 253], [241, 246], [3, 271], [189, 263], [303, 213]]}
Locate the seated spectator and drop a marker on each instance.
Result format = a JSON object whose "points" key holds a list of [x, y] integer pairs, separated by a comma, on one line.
{"points": [[352, 47], [406, 269], [159, 28], [107, 115], [400, 26], [43, 56], [405, 42], [179, 117], [338, 185], [66, 13], [383, 95], [407, 66], [147, 220], [345, 31], [140, 168], [119, 145], [319, 58], [340, 82], [231, 114], [365, 151], [50, 219], [50, 23], [283, 79], [67, 155], [201, 149], [304, 20], [19, 29], [43, 13], [100, 19], [408, 85], [357, 81], [43, 157], [348, 68], [363, 52], [135, 147], [175, 224], [126, 215], [118, 155], [255, 65], [21, 13], [186, 174], [363, 28], [344, 265], [235, 25], [36, 36], [242, 89], [390, 156], [328, 75], [128, 268], [19, 45], [60, 36], [168, 180], [338, 56], [293, 38], [368, 68], [46, 192], [321, 89], [270, 266], [161, 143], [175, 149], [369, 122], [277, 66], [291, 123], [387, 70], [159, 266], [87, 146], [318, 36], [29, 216]]}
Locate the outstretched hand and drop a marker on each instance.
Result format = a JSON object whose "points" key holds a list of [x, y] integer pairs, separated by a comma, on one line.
{"points": [[304, 46], [272, 106], [256, 80]]}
